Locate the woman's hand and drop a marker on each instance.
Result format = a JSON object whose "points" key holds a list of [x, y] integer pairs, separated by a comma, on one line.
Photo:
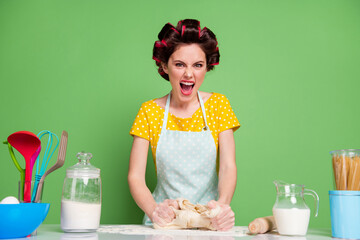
{"points": [[225, 220], [162, 213]]}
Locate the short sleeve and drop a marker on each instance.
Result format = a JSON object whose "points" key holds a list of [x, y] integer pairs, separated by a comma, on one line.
{"points": [[227, 118], [140, 126]]}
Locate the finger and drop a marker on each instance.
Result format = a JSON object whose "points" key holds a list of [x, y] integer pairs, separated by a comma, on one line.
{"points": [[170, 211], [224, 218], [224, 226], [167, 212], [212, 204], [158, 220], [227, 223], [224, 222], [167, 201], [165, 216], [174, 204], [158, 214], [225, 210]]}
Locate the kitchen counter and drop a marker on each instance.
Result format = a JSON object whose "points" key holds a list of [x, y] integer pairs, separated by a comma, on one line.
{"points": [[54, 232]]}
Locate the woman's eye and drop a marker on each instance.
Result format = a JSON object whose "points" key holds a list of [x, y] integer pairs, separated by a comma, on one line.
{"points": [[179, 64], [199, 65]]}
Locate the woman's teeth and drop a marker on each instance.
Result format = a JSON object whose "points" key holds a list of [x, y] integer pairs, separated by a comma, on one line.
{"points": [[186, 87]]}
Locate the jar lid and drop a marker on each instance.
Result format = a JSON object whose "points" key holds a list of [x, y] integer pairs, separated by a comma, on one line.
{"points": [[83, 168], [346, 152]]}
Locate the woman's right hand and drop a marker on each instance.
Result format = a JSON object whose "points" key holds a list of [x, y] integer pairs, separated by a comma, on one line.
{"points": [[162, 213]]}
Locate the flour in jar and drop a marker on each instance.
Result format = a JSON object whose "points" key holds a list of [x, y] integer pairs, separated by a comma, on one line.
{"points": [[80, 217], [292, 221]]}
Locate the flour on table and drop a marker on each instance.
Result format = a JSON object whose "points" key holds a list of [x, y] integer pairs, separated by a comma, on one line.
{"points": [[237, 231]]}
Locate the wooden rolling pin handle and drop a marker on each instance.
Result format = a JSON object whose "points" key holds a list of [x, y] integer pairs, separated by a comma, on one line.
{"points": [[262, 225]]}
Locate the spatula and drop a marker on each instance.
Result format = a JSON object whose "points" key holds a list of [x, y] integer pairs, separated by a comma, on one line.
{"points": [[59, 163]]}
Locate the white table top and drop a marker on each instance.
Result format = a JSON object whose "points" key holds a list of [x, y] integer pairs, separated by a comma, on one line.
{"points": [[54, 232]]}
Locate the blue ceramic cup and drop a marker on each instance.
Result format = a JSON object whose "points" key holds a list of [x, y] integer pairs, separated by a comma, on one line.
{"points": [[345, 214]]}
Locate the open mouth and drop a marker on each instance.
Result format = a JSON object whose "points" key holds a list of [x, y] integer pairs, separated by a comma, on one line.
{"points": [[186, 87]]}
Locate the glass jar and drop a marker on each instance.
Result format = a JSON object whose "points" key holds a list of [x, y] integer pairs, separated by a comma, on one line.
{"points": [[346, 166], [81, 196]]}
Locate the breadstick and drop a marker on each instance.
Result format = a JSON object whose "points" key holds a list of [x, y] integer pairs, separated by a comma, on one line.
{"points": [[336, 168], [356, 181], [351, 173], [344, 172], [262, 225]]}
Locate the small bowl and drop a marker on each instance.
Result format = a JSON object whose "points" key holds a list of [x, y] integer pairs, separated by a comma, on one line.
{"points": [[20, 220]]}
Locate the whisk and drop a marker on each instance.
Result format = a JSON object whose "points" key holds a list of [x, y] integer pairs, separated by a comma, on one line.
{"points": [[49, 151]]}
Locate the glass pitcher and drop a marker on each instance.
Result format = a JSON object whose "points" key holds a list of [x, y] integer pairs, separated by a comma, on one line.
{"points": [[81, 198], [290, 211]]}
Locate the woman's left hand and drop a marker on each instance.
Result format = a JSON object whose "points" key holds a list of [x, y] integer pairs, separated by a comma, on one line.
{"points": [[225, 220]]}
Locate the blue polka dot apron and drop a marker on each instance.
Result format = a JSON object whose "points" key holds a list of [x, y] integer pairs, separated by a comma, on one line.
{"points": [[186, 164]]}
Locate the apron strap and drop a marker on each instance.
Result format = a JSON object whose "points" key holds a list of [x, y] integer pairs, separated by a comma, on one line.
{"points": [[167, 107], [203, 111], [166, 112]]}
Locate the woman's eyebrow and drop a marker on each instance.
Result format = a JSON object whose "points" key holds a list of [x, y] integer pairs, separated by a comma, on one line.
{"points": [[200, 61]]}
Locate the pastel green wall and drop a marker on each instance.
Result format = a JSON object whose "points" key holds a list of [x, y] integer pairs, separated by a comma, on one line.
{"points": [[289, 68]]}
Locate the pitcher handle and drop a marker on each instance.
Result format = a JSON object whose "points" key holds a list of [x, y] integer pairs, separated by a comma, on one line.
{"points": [[316, 198]]}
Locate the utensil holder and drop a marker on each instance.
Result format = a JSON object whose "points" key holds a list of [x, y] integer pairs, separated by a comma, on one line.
{"points": [[21, 190]]}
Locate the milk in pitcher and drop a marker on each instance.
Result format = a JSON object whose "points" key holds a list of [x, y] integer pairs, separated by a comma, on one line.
{"points": [[292, 221], [290, 211]]}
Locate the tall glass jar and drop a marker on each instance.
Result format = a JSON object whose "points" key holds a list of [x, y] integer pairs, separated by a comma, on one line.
{"points": [[81, 197]]}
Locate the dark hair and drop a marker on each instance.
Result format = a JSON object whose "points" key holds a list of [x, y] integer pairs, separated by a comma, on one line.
{"points": [[187, 31]]}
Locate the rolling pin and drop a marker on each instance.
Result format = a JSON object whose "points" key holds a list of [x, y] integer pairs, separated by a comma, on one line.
{"points": [[262, 225]]}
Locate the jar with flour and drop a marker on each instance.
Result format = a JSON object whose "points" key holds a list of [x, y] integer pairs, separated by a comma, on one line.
{"points": [[81, 196]]}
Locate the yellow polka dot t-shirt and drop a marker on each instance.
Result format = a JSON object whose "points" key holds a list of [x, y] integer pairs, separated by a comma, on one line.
{"points": [[219, 116]]}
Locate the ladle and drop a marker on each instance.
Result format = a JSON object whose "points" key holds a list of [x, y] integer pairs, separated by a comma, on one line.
{"points": [[27, 145]]}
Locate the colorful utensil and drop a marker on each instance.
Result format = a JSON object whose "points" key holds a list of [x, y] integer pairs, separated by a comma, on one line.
{"points": [[17, 165], [27, 145], [49, 151], [59, 163]]}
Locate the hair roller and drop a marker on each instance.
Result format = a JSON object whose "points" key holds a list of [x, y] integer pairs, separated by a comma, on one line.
{"points": [[202, 31], [164, 42], [156, 59], [164, 31], [175, 30], [183, 30], [158, 44]]}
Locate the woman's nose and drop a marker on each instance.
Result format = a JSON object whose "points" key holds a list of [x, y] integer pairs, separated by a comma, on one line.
{"points": [[188, 73]]}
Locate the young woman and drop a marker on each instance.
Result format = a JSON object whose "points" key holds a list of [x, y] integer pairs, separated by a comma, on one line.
{"points": [[190, 132]]}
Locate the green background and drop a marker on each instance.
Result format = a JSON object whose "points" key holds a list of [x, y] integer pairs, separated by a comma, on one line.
{"points": [[289, 68]]}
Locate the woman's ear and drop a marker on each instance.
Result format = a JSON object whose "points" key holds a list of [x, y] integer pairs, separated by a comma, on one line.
{"points": [[164, 67]]}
